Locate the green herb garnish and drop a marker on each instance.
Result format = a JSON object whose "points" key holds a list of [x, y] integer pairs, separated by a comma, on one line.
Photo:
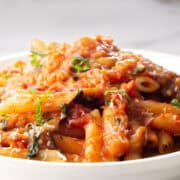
{"points": [[38, 107], [38, 112], [7, 76], [17, 65], [138, 70], [122, 91], [80, 64], [175, 102], [34, 58], [33, 148]]}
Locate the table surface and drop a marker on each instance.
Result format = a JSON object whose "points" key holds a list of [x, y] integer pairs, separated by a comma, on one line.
{"points": [[141, 24]]}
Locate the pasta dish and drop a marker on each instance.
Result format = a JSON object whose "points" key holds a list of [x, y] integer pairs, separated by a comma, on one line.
{"points": [[87, 102]]}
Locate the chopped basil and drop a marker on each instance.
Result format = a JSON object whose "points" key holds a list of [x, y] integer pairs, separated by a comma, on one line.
{"points": [[138, 70], [34, 55], [17, 65], [80, 64], [7, 76], [38, 53], [38, 112], [38, 107], [175, 102], [33, 148], [122, 91]]}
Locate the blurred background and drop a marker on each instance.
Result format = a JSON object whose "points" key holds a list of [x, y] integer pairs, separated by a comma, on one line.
{"points": [[141, 24]]}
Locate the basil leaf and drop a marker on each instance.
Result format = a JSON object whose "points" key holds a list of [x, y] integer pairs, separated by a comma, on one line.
{"points": [[80, 64], [138, 70], [175, 102], [38, 107], [34, 55], [7, 76]]}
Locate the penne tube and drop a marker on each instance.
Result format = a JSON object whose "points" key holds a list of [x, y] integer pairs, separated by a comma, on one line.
{"points": [[68, 144], [167, 122], [152, 140], [158, 107], [115, 139], [165, 142], [93, 138], [27, 103], [137, 141], [43, 155], [13, 152]]}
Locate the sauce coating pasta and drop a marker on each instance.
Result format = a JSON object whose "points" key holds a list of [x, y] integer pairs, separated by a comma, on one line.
{"points": [[87, 102]]}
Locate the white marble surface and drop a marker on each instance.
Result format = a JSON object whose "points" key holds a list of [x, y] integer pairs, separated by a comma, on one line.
{"points": [[144, 24]]}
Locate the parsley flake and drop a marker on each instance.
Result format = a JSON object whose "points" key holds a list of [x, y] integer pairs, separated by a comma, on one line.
{"points": [[38, 107], [80, 64], [175, 102], [138, 70], [34, 61], [7, 76]]}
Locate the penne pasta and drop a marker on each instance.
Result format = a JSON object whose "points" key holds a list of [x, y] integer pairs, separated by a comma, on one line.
{"points": [[152, 140], [68, 144], [115, 140], [44, 155], [87, 102], [165, 142], [27, 103], [93, 138], [158, 107], [167, 122], [137, 142]]}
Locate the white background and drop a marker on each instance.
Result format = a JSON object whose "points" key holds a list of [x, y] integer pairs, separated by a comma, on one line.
{"points": [[144, 24]]}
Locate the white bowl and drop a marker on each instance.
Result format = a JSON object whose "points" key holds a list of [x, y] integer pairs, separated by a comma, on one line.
{"points": [[154, 168]]}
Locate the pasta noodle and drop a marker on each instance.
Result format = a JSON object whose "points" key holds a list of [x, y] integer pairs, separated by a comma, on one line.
{"points": [[165, 142], [136, 144], [87, 102], [93, 139]]}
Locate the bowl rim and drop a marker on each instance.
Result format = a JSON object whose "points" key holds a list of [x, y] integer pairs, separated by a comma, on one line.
{"points": [[95, 164]]}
